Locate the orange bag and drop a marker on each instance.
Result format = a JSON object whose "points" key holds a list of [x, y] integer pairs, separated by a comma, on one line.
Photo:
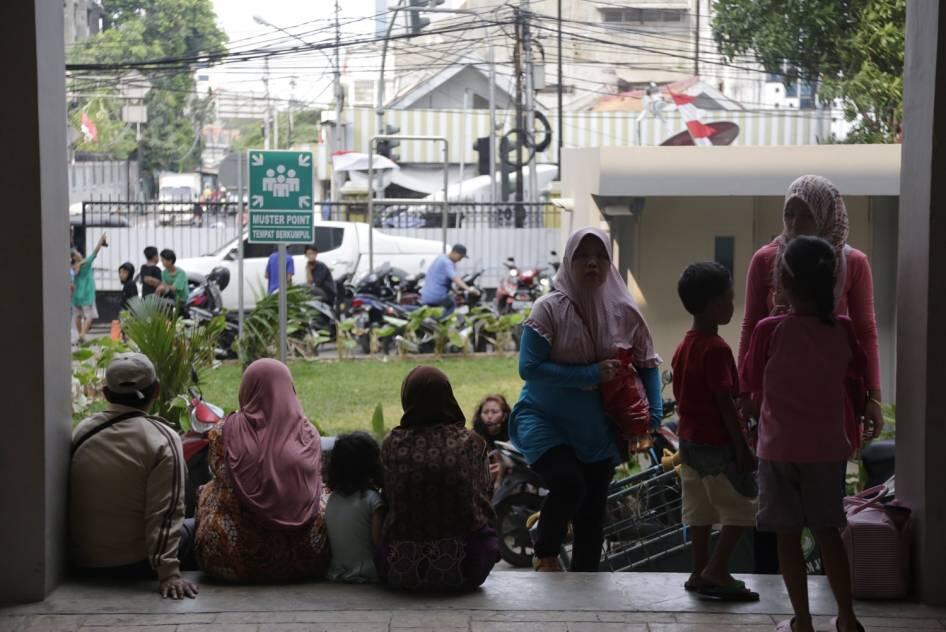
{"points": [[625, 400]]}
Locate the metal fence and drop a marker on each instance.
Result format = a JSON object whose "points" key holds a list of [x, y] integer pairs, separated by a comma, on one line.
{"points": [[189, 229], [528, 232], [491, 232]]}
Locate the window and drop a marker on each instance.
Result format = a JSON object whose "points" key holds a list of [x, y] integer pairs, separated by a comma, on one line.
{"points": [[633, 16], [725, 253], [327, 238], [257, 251]]}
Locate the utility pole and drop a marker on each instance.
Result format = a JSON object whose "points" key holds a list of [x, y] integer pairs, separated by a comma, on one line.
{"points": [[560, 88], [696, 59], [520, 131], [530, 100], [292, 95], [269, 105], [339, 98]]}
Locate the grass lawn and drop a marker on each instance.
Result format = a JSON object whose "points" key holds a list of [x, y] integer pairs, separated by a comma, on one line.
{"points": [[341, 396]]}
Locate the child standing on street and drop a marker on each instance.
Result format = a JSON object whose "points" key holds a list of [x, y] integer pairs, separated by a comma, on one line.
{"points": [[717, 465], [355, 511], [83, 293], [126, 274], [798, 365], [173, 279], [150, 273]]}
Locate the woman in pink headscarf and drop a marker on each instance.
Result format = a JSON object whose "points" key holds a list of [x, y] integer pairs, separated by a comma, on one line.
{"points": [[559, 423], [814, 207], [260, 518]]}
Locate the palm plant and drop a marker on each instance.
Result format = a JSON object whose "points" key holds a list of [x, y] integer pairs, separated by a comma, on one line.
{"points": [[261, 327], [178, 350], [489, 328]]}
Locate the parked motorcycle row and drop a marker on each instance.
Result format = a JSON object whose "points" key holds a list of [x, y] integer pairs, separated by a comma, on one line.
{"points": [[383, 306]]}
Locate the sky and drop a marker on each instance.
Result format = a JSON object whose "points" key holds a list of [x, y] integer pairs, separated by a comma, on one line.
{"points": [[312, 20]]}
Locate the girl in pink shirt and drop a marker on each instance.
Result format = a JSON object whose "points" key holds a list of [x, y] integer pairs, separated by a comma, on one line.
{"points": [[798, 365]]}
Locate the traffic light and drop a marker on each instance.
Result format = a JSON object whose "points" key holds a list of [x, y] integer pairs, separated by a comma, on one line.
{"points": [[419, 22], [386, 147]]}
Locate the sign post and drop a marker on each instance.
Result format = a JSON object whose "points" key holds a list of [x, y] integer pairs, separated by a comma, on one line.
{"points": [[280, 195]]}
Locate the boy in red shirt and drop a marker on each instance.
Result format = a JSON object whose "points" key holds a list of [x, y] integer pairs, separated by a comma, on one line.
{"points": [[716, 471]]}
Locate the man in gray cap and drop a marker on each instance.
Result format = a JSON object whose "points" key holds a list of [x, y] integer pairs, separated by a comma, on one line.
{"points": [[441, 277], [127, 485]]}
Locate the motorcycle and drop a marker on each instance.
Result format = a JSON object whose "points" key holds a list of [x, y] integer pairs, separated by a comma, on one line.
{"points": [[524, 286], [518, 497], [409, 289], [205, 302], [204, 417], [519, 289]]}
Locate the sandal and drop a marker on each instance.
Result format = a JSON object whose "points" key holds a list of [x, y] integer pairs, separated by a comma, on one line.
{"points": [[834, 625], [546, 565], [689, 586], [734, 591]]}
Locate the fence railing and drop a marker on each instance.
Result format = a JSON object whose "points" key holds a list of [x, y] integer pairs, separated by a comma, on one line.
{"points": [[491, 232], [528, 232]]}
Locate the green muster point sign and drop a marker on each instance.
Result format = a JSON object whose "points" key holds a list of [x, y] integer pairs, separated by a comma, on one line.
{"points": [[280, 196]]}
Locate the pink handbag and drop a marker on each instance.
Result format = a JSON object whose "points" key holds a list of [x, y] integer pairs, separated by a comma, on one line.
{"points": [[878, 543]]}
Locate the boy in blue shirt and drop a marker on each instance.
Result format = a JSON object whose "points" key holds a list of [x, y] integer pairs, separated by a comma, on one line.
{"points": [[272, 271]]}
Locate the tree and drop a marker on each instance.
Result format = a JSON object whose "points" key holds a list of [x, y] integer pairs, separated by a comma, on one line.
{"points": [[306, 125], [852, 49], [140, 30]]}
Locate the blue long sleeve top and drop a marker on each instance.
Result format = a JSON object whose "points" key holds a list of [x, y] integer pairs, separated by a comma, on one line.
{"points": [[560, 405]]}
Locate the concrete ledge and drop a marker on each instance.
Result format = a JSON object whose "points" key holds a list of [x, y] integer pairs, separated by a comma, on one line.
{"points": [[626, 598]]}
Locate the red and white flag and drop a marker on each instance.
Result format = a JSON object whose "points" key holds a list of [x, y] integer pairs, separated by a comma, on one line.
{"points": [[691, 115], [89, 130]]}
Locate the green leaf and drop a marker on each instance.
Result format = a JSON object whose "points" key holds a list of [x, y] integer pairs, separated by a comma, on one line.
{"points": [[80, 355], [387, 331], [377, 422]]}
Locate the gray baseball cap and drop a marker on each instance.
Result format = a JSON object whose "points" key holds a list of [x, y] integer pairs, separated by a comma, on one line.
{"points": [[130, 373]]}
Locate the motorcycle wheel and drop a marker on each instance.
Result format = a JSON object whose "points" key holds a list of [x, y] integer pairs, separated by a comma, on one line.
{"points": [[515, 542], [364, 342]]}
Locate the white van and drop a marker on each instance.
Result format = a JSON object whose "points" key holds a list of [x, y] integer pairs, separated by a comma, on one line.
{"points": [[342, 246]]}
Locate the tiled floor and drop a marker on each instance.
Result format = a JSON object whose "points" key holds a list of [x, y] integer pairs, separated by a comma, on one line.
{"points": [[508, 602]]}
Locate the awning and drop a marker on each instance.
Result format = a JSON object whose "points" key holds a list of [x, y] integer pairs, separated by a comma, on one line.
{"points": [[742, 171]]}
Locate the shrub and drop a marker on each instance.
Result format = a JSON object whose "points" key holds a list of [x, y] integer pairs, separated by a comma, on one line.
{"points": [[179, 349]]}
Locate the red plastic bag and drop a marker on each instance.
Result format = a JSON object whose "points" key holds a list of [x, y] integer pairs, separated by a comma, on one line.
{"points": [[625, 400]]}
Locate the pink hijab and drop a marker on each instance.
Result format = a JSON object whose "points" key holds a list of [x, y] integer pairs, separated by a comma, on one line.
{"points": [[831, 222], [272, 451], [607, 316]]}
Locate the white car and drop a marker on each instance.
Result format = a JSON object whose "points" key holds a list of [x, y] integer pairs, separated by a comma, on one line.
{"points": [[342, 246]]}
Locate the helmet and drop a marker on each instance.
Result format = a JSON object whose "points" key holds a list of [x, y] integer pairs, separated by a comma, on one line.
{"points": [[221, 276]]}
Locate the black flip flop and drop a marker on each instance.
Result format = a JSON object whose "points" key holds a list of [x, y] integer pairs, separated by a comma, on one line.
{"points": [[729, 592]]}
